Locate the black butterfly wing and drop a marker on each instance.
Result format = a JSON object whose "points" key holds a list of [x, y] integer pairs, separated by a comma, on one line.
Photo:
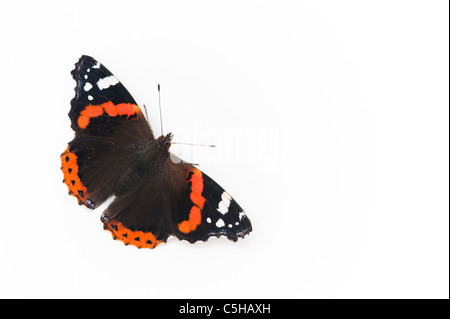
{"points": [[142, 216], [180, 201], [102, 104], [109, 127], [212, 212]]}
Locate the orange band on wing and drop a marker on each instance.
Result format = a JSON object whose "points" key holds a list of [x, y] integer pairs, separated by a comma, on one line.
{"points": [[137, 238], [195, 214], [69, 167], [109, 108]]}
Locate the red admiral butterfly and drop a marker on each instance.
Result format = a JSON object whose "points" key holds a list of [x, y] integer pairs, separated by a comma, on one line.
{"points": [[114, 152]]}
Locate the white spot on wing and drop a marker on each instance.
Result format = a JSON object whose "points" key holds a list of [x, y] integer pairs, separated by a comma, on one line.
{"points": [[90, 98], [96, 66], [208, 220], [220, 223], [242, 215], [226, 198], [223, 209], [107, 82], [87, 86], [224, 204]]}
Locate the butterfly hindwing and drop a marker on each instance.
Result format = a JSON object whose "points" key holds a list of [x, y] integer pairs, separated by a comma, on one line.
{"points": [[182, 202], [147, 209]]}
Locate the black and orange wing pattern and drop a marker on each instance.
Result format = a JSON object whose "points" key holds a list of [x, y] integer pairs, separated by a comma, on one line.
{"points": [[114, 153]]}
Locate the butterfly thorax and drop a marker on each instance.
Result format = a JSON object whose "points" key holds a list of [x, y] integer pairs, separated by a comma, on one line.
{"points": [[149, 160], [163, 142]]}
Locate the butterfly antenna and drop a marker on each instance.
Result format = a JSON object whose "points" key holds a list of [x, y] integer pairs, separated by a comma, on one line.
{"points": [[160, 119], [160, 113], [208, 145], [146, 114]]}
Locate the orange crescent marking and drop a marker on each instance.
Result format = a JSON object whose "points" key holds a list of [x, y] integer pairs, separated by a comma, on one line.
{"points": [[110, 108], [69, 168], [83, 121], [195, 214], [126, 109], [92, 111], [197, 183], [195, 217], [198, 199], [137, 238], [184, 227]]}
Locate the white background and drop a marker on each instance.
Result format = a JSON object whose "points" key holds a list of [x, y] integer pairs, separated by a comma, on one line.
{"points": [[331, 120]]}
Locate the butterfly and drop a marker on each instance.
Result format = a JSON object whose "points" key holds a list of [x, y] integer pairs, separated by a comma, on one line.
{"points": [[115, 153]]}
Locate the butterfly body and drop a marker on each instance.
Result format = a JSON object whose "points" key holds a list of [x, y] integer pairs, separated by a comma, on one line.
{"points": [[149, 158], [114, 153]]}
